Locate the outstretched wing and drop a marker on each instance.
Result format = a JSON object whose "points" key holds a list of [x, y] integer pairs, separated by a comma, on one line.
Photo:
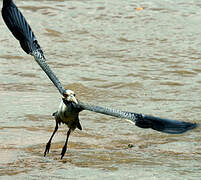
{"points": [[21, 30], [143, 121]]}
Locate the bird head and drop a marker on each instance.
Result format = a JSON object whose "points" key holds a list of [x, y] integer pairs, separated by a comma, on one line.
{"points": [[69, 95]]}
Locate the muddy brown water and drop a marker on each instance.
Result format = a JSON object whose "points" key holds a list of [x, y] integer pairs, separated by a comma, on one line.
{"points": [[111, 54]]}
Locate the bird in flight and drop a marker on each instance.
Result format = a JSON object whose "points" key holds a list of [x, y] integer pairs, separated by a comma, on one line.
{"points": [[70, 107]]}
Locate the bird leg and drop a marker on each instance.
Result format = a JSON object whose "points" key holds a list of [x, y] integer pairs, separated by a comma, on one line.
{"points": [[65, 145], [49, 142]]}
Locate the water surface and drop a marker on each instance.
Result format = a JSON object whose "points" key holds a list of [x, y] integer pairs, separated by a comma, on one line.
{"points": [[111, 54]]}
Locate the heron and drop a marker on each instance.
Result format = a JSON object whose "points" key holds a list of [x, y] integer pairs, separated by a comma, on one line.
{"points": [[70, 107]]}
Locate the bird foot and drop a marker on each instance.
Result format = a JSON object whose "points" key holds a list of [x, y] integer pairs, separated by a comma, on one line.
{"points": [[63, 151], [47, 148]]}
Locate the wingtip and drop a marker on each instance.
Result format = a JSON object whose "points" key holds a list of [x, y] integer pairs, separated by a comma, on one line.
{"points": [[187, 126], [165, 125], [194, 125], [19, 27]]}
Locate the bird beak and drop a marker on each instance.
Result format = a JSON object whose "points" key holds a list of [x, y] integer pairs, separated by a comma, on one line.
{"points": [[72, 98]]}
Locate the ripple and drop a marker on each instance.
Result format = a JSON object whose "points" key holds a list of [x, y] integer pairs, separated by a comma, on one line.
{"points": [[51, 32], [145, 61], [18, 87]]}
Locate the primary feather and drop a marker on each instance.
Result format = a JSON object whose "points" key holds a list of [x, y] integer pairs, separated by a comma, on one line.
{"points": [[19, 27]]}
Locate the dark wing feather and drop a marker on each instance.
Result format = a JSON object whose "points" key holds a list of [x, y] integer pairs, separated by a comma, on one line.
{"points": [[164, 125], [143, 121], [19, 27]]}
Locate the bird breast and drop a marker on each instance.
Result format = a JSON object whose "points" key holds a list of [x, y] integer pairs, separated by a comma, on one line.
{"points": [[68, 115]]}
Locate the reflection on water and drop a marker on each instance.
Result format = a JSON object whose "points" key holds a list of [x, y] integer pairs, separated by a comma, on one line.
{"points": [[111, 54]]}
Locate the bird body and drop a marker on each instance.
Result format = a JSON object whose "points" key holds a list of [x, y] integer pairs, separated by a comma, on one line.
{"points": [[68, 115]]}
